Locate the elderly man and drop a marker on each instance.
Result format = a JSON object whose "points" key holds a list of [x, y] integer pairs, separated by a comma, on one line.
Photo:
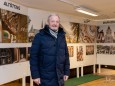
{"points": [[49, 58]]}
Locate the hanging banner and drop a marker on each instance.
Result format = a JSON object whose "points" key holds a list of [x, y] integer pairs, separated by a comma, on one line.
{"points": [[11, 6]]}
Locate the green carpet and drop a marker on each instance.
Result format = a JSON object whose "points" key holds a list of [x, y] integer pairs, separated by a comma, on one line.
{"points": [[77, 81]]}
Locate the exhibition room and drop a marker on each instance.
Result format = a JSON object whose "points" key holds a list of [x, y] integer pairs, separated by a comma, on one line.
{"points": [[79, 52]]}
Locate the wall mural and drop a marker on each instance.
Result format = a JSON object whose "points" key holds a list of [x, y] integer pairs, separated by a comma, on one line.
{"points": [[14, 27], [89, 49]]}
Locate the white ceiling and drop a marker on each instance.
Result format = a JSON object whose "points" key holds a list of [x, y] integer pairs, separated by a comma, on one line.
{"points": [[106, 8]]}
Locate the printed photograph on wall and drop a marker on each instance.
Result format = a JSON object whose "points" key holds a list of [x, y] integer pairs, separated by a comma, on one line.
{"points": [[73, 38], [89, 49], [79, 53], [106, 49], [22, 54], [87, 33], [71, 51], [37, 21], [14, 27], [106, 34], [28, 54], [31, 34], [8, 56]]}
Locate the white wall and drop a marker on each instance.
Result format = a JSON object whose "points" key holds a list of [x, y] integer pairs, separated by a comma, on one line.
{"points": [[12, 72]]}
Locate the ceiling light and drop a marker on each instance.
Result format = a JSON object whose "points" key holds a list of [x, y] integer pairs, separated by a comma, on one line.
{"points": [[86, 11]]}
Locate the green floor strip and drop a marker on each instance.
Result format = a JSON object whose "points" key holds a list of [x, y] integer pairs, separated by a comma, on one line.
{"points": [[82, 80]]}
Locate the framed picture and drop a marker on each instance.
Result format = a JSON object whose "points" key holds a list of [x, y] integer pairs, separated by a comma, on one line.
{"points": [[28, 54], [79, 53], [22, 54], [71, 51], [8, 56], [89, 49]]}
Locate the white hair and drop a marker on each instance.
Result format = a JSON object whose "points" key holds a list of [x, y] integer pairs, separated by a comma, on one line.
{"points": [[52, 15]]}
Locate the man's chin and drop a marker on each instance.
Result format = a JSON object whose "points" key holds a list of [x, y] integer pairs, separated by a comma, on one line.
{"points": [[54, 29]]}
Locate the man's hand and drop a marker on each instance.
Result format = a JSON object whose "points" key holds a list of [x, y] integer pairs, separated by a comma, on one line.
{"points": [[65, 77], [37, 81]]}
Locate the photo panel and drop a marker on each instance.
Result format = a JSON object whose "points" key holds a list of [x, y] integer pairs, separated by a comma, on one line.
{"points": [[35, 24], [89, 49], [106, 49], [106, 34], [31, 34], [72, 33], [71, 51], [28, 54], [87, 33], [79, 53], [8, 56], [22, 54], [14, 27]]}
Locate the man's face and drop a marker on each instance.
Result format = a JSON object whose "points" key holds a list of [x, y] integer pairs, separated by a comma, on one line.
{"points": [[54, 23]]}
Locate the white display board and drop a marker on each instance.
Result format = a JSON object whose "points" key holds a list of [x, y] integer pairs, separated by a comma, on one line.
{"points": [[106, 59], [13, 72], [87, 59]]}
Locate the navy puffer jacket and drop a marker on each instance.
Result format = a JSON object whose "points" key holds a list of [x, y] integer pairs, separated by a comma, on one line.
{"points": [[49, 58]]}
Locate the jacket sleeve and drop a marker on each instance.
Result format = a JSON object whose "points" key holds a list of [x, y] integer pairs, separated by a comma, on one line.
{"points": [[34, 57], [67, 62]]}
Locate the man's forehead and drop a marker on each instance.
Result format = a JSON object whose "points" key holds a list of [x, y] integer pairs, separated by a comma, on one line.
{"points": [[54, 16]]}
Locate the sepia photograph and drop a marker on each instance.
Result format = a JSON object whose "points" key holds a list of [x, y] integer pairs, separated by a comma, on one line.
{"points": [[8, 56], [71, 51], [87, 33], [89, 49], [14, 27], [28, 53], [79, 53], [22, 54]]}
